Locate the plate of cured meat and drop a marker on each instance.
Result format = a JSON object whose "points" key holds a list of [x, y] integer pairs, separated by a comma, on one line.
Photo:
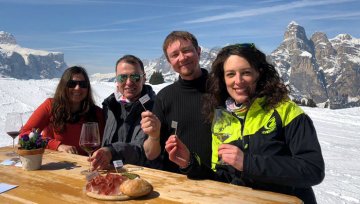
{"points": [[117, 187]]}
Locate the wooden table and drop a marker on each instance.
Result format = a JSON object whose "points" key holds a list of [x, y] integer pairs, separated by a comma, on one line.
{"points": [[59, 181]]}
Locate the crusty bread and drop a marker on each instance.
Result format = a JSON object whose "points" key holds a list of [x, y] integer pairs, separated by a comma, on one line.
{"points": [[136, 187]]}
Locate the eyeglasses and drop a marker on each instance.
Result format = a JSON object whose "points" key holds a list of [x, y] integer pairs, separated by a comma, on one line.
{"points": [[72, 84], [133, 77]]}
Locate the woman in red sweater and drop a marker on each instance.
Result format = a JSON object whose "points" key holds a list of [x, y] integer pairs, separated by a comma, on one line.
{"points": [[60, 118]]}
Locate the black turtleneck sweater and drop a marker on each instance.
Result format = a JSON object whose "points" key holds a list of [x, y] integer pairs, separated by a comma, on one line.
{"points": [[182, 102]]}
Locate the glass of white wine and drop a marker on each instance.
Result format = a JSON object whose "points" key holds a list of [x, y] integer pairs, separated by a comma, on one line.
{"points": [[221, 120], [13, 125]]}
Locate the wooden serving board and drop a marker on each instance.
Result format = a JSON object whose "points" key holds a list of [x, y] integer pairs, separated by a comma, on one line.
{"points": [[108, 197]]}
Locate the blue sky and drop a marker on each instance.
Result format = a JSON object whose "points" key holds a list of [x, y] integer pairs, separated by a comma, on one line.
{"points": [[95, 33]]}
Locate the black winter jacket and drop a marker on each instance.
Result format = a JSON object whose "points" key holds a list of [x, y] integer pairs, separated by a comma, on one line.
{"points": [[123, 133], [281, 152]]}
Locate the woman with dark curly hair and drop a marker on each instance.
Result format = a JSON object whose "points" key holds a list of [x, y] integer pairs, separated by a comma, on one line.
{"points": [[61, 118], [272, 144]]}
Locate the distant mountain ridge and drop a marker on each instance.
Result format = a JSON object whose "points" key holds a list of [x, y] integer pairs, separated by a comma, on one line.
{"points": [[326, 71], [24, 63]]}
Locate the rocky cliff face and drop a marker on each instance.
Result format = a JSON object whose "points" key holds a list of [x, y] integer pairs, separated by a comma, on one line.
{"points": [[321, 69], [25, 63], [295, 61]]}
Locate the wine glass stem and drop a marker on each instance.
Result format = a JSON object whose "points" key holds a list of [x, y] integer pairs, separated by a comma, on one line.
{"points": [[13, 145], [89, 162]]}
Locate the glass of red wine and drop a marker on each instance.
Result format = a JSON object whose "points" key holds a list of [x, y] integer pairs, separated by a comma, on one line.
{"points": [[89, 140], [13, 125]]}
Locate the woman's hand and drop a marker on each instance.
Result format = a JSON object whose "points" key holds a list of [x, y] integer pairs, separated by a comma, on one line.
{"points": [[178, 152], [67, 149], [232, 155]]}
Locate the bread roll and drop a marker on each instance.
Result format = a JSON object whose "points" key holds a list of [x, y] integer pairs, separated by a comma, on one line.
{"points": [[136, 187]]}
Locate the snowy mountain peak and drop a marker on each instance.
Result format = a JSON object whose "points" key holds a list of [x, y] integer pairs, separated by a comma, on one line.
{"points": [[294, 31], [295, 38], [204, 49], [25, 63], [292, 23], [344, 37], [25, 52], [346, 40], [7, 38]]}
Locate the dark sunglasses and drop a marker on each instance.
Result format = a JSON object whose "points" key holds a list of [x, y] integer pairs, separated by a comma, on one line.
{"points": [[239, 45], [133, 77], [227, 49], [247, 45], [72, 84]]}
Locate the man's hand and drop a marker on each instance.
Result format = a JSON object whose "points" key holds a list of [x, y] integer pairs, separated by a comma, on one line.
{"points": [[178, 152], [150, 124], [101, 159]]}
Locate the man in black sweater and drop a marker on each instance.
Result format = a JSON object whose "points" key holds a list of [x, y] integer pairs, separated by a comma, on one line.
{"points": [[179, 103]]}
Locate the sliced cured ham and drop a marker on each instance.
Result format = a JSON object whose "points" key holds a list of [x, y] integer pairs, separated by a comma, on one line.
{"points": [[106, 185], [116, 187]]}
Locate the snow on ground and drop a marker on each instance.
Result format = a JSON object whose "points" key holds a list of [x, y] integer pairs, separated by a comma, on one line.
{"points": [[338, 132]]}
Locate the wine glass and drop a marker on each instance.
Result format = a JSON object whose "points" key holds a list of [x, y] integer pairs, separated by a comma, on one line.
{"points": [[89, 140], [13, 125], [220, 127]]}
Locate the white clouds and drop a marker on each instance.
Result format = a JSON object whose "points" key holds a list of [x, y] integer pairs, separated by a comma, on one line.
{"points": [[265, 10], [337, 16], [74, 47], [94, 31], [62, 2]]}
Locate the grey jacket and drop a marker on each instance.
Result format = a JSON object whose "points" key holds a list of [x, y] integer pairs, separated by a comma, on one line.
{"points": [[123, 133]]}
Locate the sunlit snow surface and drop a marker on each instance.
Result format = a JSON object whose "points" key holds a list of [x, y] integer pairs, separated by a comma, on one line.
{"points": [[338, 133]]}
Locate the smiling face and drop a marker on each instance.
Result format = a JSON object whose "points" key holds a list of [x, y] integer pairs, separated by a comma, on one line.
{"points": [[77, 94], [130, 89], [184, 58], [240, 78]]}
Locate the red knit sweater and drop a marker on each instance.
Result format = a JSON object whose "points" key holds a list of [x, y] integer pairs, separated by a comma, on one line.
{"points": [[71, 135]]}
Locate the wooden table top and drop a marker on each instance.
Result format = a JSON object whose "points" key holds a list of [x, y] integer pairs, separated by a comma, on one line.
{"points": [[59, 181]]}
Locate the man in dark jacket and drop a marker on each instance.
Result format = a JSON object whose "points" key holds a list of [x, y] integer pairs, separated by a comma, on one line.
{"points": [[123, 136]]}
